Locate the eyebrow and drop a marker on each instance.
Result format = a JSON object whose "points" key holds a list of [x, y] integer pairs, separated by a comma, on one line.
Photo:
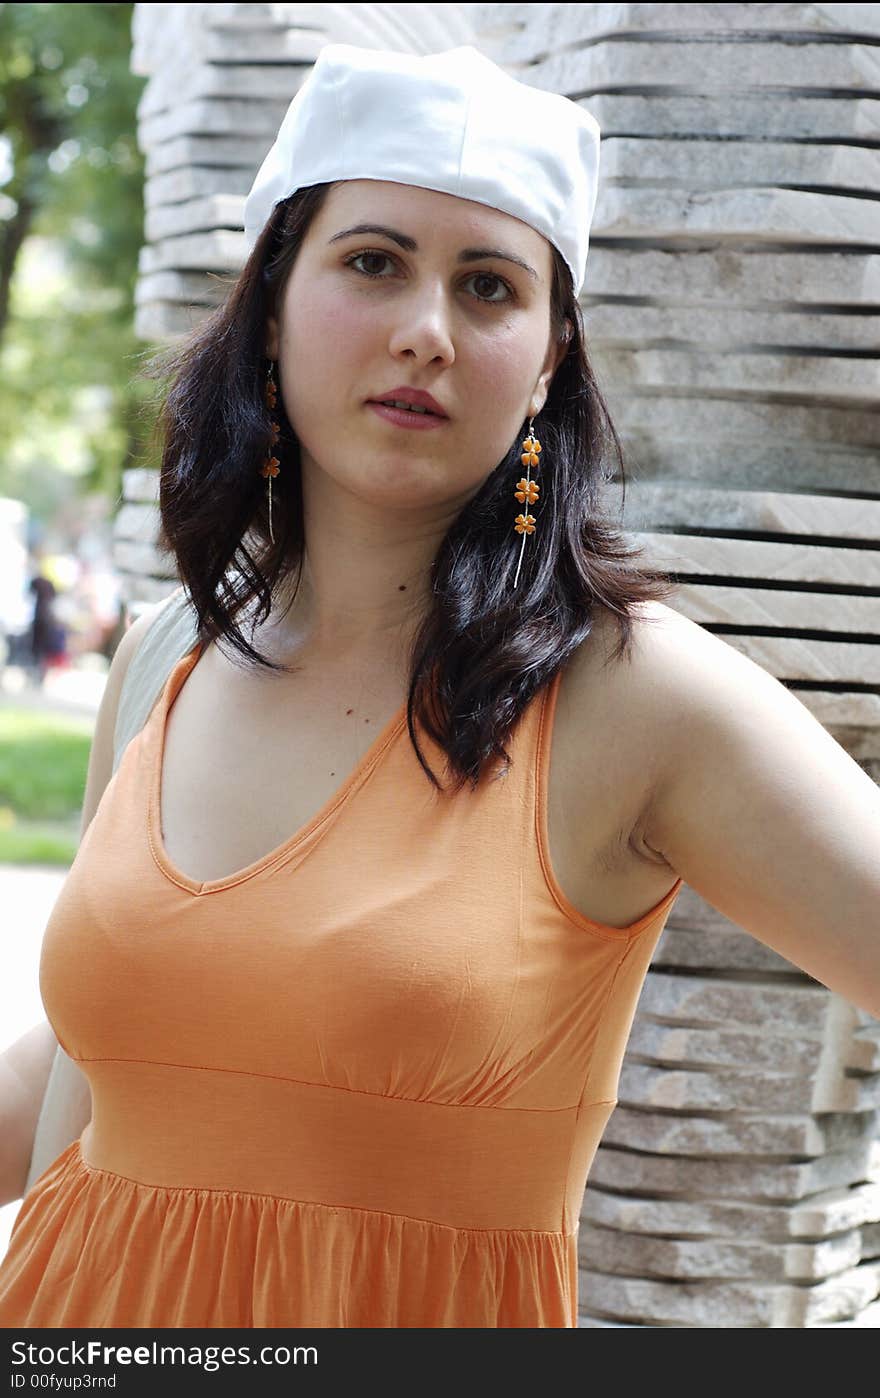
{"points": [[409, 244]]}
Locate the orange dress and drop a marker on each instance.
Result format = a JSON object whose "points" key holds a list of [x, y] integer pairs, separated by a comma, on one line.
{"points": [[359, 1083]]}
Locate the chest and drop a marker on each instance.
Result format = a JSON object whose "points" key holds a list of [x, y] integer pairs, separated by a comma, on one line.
{"points": [[250, 760]]}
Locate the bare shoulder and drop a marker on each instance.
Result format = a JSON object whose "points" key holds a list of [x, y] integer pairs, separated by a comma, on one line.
{"points": [[659, 636], [675, 666], [663, 638], [717, 719], [652, 689], [657, 619], [680, 661], [758, 808], [618, 705]]}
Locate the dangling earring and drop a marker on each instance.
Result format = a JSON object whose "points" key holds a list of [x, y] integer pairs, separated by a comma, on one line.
{"points": [[271, 464], [527, 491]]}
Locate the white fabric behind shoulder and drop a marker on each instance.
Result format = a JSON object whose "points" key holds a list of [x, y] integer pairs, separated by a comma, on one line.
{"points": [[170, 636], [65, 1102]]}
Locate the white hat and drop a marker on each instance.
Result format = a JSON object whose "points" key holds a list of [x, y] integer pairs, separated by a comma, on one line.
{"points": [[451, 121]]}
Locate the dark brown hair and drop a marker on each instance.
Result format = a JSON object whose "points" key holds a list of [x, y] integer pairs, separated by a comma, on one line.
{"points": [[483, 651]]}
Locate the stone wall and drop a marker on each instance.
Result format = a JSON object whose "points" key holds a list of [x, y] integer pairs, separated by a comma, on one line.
{"points": [[731, 304]]}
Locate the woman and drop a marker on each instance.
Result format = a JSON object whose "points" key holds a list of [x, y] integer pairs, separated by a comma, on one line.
{"points": [[356, 1075], [44, 627]]}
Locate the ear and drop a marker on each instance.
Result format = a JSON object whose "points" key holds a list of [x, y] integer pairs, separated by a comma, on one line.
{"points": [[555, 355], [563, 348], [271, 337]]}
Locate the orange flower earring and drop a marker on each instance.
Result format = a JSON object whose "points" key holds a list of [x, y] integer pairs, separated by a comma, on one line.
{"points": [[271, 464], [527, 491]]}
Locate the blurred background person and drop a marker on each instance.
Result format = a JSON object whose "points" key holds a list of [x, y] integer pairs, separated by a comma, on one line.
{"points": [[46, 633]]}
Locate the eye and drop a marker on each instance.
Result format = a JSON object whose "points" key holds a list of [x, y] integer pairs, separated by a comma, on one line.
{"points": [[484, 276]]}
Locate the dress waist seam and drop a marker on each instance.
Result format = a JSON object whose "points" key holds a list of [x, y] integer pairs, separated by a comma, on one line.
{"points": [[557, 1235], [338, 1087]]}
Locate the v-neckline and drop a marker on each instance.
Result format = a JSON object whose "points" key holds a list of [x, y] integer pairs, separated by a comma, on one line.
{"points": [[161, 857]]}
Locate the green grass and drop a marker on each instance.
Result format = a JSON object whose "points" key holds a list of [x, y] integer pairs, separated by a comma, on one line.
{"points": [[43, 764]]}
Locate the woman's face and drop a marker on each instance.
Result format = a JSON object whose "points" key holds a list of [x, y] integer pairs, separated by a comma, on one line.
{"points": [[361, 316]]}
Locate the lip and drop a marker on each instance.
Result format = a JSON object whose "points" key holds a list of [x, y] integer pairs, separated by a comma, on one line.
{"points": [[419, 422], [417, 396]]}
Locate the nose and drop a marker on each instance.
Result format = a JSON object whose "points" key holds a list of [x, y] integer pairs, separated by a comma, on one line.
{"points": [[422, 326]]}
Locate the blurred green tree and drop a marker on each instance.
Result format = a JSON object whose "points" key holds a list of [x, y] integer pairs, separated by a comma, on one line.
{"points": [[71, 215]]}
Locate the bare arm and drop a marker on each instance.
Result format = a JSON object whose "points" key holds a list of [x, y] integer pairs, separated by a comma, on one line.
{"points": [[26, 1064], [24, 1073], [763, 813]]}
